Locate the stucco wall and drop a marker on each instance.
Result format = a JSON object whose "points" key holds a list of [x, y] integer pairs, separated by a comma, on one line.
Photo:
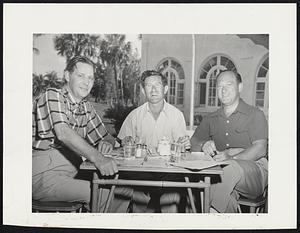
{"points": [[243, 52]]}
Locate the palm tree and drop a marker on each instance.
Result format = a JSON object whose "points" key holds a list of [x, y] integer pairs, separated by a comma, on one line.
{"points": [[42, 82], [116, 53], [69, 45], [110, 54]]}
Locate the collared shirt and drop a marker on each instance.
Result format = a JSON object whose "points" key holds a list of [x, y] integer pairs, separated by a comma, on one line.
{"points": [[58, 106], [244, 126], [141, 123]]}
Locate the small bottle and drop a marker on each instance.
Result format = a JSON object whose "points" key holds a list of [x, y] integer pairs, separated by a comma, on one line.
{"points": [[144, 150], [138, 151]]}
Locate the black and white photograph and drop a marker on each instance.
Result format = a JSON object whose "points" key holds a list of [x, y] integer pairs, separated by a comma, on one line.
{"points": [[135, 132], [153, 124]]}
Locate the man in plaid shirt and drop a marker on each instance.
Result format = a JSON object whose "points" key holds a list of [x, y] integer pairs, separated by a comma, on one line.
{"points": [[66, 127]]}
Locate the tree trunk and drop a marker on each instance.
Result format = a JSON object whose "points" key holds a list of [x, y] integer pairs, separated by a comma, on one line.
{"points": [[122, 91], [116, 81], [134, 93]]}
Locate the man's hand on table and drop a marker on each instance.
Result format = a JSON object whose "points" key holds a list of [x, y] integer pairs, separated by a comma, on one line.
{"points": [[105, 147], [209, 148], [185, 141], [107, 166], [221, 156], [227, 154]]}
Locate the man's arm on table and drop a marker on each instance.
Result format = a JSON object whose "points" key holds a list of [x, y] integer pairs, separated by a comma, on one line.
{"points": [[257, 150], [258, 132], [73, 141]]}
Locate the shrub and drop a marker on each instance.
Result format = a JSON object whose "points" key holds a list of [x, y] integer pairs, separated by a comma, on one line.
{"points": [[117, 113], [197, 119], [41, 82]]}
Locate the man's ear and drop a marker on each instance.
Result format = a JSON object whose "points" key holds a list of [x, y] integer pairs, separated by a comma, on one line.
{"points": [[166, 88], [143, 90], [240, 87], [67, 76]]}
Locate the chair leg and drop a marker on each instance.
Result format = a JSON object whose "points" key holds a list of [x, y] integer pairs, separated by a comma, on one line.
{"points": [[258, 210], [110, 196], [190, 194], [201, 200], [99, 197], [95, 190]]}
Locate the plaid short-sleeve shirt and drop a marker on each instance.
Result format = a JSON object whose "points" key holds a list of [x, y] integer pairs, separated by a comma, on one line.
{"points": [[57, 106]]}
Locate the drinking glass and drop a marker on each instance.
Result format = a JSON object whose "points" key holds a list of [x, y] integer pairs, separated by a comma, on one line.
{"points": [[129, 151]]}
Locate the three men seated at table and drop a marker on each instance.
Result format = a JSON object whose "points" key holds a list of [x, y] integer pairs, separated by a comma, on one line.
{"points": [[66, 127]]}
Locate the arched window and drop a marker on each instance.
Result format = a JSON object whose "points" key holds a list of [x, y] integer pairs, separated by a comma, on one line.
{"points": [[206, 94], [261, 86], [175, 75]]}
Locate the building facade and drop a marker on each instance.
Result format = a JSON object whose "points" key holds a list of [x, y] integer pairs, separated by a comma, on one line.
{"points": [[172, 54]]}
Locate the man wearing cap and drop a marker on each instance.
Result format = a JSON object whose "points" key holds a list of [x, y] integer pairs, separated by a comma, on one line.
{"points": [[238, 133]]}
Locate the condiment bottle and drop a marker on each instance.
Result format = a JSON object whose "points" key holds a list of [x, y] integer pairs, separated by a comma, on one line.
{"points": [[144, 150], [138, 151]]}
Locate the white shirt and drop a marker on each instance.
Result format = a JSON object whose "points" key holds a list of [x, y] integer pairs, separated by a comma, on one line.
{"points": [[141, 123]]}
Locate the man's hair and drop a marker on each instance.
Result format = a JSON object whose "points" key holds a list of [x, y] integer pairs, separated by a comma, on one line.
{"points": [[71, 65], [149, 73], [235, 73]]}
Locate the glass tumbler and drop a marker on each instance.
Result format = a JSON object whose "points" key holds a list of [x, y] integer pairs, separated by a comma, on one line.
{"points": [[129, 151]]}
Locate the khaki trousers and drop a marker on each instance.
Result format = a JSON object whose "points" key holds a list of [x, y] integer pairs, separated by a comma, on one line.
{"points": [[241, 177], [53, 173]]}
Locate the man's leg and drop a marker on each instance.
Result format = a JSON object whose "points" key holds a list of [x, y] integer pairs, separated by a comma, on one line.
{"points": [[121, 200], [169, 202], [251, 185], [140, 201], [170, 197], [240, 177], [220, 194], [53, 186]]}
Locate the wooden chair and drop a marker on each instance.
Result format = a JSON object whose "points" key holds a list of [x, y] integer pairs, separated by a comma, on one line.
{"points": [[56, 206], [258, 205]]}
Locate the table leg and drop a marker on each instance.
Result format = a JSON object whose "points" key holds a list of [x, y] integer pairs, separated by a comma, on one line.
{"points": [[206, 195], [190, 195], [94, 193], [201, 200], [110, 195], [201, 196]]}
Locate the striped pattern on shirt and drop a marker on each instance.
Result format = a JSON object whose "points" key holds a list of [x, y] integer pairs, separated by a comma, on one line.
{"points": [[57, 106]]}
